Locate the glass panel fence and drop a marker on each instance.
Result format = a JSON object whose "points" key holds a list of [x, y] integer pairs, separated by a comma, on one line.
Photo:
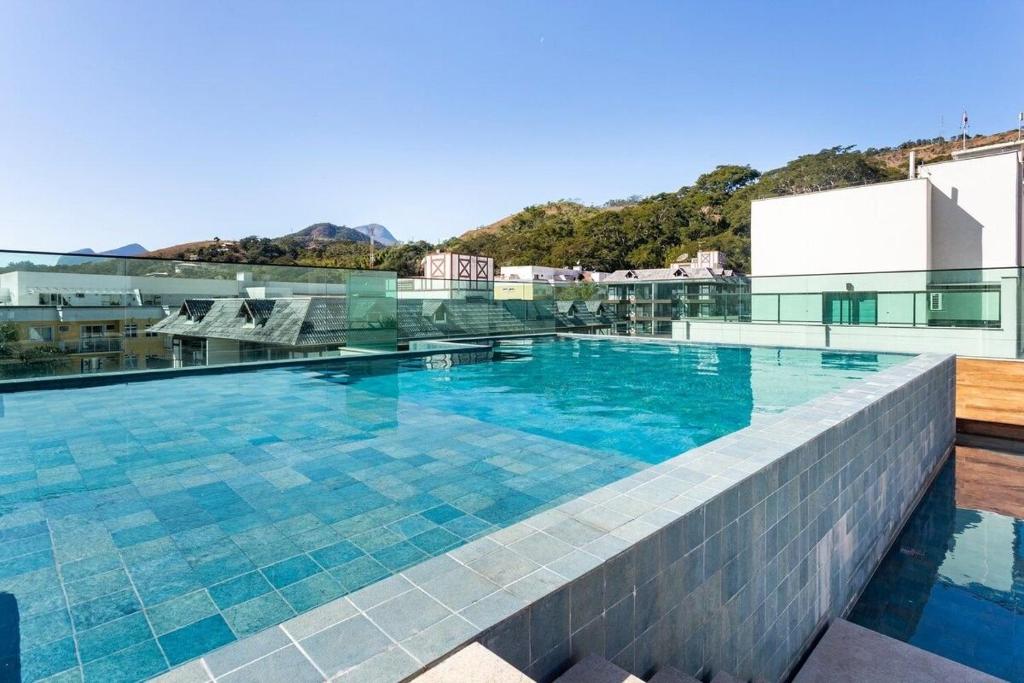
{"points": [[67, 314], [979, 308]]}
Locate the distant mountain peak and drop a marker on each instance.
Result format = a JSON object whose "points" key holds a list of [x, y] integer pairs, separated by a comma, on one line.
{"points": [[329, 232], [83, 255]]}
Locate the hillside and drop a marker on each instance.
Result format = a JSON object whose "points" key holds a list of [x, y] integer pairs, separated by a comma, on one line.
{"points": [[936, 149], [643, 232], [321, 233], [713, 213]]}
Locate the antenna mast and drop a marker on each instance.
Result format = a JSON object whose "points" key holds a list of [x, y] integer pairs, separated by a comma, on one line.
{"points": [[963, 128], [372, 231]]}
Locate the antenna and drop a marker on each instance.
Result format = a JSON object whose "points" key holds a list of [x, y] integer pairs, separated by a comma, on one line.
{"points": [[963, 128], [1020, 124], [372, 230]]}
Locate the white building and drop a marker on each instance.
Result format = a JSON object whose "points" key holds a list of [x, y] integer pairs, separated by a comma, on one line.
{"points": [[51, 288], [964, 213], [928, 263]]}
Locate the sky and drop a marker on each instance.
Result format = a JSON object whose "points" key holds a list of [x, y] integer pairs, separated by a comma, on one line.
{"points": [[175, 121]]}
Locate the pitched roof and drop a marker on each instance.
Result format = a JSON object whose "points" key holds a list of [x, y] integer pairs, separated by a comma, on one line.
{"points": [[675, 273], [298, 321]]}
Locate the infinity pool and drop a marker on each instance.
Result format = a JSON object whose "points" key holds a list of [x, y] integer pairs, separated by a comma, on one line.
{"points": [[148, 523]]}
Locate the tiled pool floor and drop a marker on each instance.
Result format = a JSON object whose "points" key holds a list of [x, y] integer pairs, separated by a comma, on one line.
{"points": [[953, 583], [147, 542], [143, 525]]}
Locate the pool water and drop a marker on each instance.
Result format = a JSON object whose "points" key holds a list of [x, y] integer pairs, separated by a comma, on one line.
{"points": [[145, 524], [953, 583]]}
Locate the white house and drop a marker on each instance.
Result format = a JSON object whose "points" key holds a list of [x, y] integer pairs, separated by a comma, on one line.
{"points": [[930, 262]]}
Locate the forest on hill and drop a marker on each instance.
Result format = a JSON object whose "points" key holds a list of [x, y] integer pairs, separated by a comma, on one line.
{"points": [[641, 232]]}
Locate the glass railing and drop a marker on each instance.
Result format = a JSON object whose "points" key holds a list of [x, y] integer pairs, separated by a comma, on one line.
{"points": [[967, 311], [68, 314], [431, 308]]}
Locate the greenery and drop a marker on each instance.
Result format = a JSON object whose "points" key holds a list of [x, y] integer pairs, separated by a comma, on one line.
{"points": [[713, 213], [32, 360], [638, 232]]}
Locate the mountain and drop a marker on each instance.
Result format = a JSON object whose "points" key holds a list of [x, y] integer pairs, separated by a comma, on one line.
{"points": [[320, 233], [132, 249], [380, 234], [712, 213]]}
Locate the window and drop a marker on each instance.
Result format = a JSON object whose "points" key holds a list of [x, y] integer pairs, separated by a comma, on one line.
{"points": [[40, 334], [131, 330], [92, 330], [130, 362], [150, 333]]}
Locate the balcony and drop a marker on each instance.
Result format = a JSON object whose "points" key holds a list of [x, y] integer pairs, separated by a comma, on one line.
{"points": [[93, 345]]}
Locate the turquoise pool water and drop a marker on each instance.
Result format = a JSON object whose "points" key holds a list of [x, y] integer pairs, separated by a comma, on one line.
{"points": [[145, 524]]}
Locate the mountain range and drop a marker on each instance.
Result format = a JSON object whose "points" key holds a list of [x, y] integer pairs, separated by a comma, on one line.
{"points": [[132, 249]]}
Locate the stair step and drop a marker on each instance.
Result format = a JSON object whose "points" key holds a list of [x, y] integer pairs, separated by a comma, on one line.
{"points": [[670, 675], [595, 669], [473, 663], [724, 677]]}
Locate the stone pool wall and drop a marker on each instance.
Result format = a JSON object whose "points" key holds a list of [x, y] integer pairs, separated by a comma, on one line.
{"points": [[727, 557], [755, 539]]}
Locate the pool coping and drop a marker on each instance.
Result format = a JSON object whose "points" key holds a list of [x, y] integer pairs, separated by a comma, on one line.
{"points": [[10, 386], [399, 626]]}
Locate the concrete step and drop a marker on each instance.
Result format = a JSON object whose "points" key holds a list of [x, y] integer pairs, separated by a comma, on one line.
{"points": [[473, 663], [595, 669], [849, 653], [725, 677], [670, 675]]}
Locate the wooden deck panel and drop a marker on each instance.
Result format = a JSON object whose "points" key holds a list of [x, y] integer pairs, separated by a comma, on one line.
{"points": [[990, 391]]}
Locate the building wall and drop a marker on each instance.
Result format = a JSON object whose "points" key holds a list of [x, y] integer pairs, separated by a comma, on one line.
{"points": [[874, 228], [975, 206], [740, 578]]}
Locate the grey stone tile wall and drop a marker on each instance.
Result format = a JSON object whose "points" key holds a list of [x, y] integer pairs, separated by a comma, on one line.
{"points": [[727, 557], [750, 543]]}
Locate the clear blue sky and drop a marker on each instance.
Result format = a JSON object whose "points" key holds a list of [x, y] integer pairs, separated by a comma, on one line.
{"points": [[165, 122]]}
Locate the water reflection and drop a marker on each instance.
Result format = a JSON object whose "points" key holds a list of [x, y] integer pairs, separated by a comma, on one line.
{"points": [[953, 584]]}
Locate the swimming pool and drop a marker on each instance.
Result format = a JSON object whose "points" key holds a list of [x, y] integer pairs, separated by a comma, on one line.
{"points": [[953, 583], [145, 524]]}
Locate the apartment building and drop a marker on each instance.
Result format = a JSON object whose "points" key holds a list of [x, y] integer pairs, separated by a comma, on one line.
{"points": [[647, 300]]}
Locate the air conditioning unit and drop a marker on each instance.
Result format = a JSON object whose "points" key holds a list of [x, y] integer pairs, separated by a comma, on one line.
{"points": [[935, 301]]}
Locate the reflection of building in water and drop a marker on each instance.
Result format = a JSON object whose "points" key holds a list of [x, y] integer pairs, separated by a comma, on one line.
{"points": [[954, 580], [442, 361]]}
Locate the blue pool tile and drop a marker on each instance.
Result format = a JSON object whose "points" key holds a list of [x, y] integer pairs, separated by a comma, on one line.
{"points": [[442, 514], [257, 614], [411, 526], [23, 530], [468, 527], [377, 539], [312, 592], [399, 556], [138, 534], [113, 636], [291, 570], [435, 541], [181, 611], [97, 585], [44, 628], [24, 546], [335, 555], [25, 564], [196, 639], [135, 663], [240, 589], [92, 613], [47, 660], [360, 573]]}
